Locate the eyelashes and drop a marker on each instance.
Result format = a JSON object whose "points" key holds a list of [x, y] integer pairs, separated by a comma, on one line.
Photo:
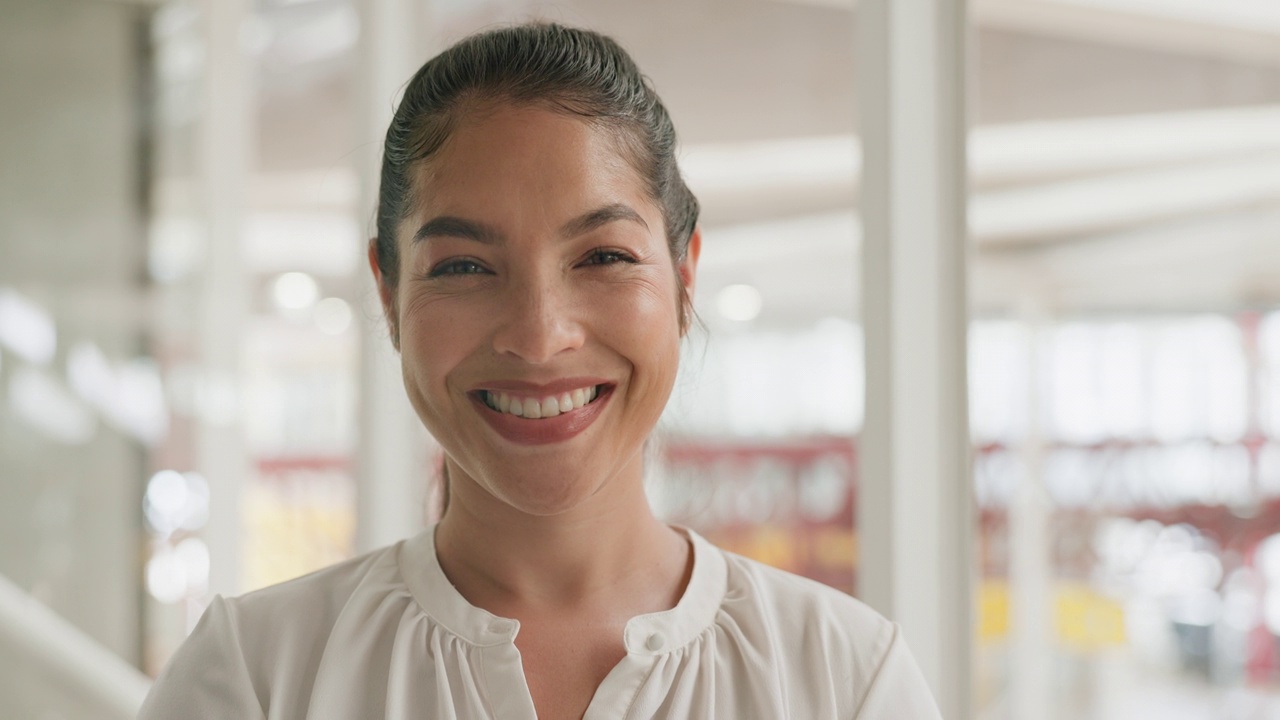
{"points": [[600, 257], [457, 266], [609, 256]]}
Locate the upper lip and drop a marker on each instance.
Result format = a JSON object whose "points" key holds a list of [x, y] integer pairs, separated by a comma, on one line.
{"points": [[554, 387]]}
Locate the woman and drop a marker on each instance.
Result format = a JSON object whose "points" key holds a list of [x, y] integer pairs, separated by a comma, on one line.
{"points": [[535, 257]]}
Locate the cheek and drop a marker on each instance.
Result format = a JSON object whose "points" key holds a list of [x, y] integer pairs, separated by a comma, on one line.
{"points": [[433, 340], [645, 326]]}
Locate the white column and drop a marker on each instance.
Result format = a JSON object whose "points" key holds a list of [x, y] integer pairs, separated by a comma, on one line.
{"points": [[225, 145], [915, 506], [391, 469], [1030, 554]]}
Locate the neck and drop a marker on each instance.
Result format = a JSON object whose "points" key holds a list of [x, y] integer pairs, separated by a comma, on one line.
{"points": [[609, 550]]}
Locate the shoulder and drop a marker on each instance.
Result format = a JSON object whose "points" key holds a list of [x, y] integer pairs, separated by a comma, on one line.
{"points": [[823, 647], [802, 608], [284, 629], [246, 649], [207, 676], [314, 599]]}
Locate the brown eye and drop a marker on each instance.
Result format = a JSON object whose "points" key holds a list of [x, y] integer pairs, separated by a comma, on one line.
{"points": [[458, 267], [605, 256]]}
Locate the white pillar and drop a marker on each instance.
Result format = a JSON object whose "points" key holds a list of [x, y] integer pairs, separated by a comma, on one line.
{"points": [[915, 503], [391, 469], [1030, 554], [225, 145]]}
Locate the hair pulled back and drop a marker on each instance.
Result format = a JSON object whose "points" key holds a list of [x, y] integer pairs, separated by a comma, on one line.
{"points": [[570, 70]]}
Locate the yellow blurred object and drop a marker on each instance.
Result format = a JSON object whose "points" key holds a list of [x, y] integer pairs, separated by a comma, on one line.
{"points": [[834, 548], [993, 611], [1083, 620], [288, 534], [772, 546]]}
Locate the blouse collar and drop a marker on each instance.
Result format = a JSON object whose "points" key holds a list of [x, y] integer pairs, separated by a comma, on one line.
{"points": [[649, 634]]}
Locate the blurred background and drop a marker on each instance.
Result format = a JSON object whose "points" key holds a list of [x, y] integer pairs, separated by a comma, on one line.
{"points": [[197, 394]]}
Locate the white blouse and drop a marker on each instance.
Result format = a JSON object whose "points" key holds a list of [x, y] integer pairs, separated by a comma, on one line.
{"points": [[387, 636]]}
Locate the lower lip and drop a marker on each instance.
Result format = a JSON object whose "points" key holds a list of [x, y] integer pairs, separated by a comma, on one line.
{"points": [[545, 431]]}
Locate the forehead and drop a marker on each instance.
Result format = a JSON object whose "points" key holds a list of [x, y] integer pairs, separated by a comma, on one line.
{"points": [[503, 156]]}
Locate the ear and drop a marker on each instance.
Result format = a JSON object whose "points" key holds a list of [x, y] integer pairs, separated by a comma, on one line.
{"points": [[386, 294], [687, 271]]}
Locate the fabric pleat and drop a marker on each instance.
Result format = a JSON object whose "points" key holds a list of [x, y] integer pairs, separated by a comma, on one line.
{"points": [[387, 636]]}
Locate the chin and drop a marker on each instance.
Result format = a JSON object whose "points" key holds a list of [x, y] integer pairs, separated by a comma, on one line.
{"points": [[544, 494], [545, 501]]}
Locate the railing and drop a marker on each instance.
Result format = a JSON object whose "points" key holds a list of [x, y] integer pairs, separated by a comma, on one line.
{"points": [[33, 631]]}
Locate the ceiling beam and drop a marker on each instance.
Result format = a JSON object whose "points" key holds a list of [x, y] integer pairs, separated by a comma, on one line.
{"points": [[1000, 155], [140, 3], [1074, 209], [1033, 182], [1146, 25], [1204, 28]]}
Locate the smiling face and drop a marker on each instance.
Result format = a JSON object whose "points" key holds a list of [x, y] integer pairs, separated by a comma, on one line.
{"points": [[537, 311]]}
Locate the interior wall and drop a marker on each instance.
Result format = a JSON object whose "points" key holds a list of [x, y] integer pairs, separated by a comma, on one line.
{"points": [[71, 239]]}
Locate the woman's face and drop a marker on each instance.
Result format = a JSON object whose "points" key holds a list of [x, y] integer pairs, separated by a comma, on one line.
{"points": [[537, 310]]}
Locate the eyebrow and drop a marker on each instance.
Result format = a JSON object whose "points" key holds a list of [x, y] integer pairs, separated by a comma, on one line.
{"points": [[451, 226], [599, 217]]}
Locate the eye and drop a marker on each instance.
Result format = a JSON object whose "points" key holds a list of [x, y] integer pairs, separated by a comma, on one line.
{"points": [[608, 256], [459, 266]]}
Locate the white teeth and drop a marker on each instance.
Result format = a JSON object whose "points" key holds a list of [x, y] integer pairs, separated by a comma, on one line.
{"points": [[551, 407], [535, 409]]}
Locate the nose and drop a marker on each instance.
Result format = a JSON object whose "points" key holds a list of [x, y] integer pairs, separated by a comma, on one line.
{"points": [[539, 321]]}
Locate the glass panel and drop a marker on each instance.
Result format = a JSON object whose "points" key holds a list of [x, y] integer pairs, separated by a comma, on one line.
{"points": [[1123, 357], [292, 399]]}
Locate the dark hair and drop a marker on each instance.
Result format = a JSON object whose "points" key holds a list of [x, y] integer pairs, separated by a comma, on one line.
{"points": [[570, 70]]}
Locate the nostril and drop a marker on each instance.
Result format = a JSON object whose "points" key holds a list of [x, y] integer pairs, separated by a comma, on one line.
{"points": [[535, 335]]}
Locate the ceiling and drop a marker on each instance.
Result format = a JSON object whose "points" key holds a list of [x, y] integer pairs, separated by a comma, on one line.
{"points": [[1125, 156]]}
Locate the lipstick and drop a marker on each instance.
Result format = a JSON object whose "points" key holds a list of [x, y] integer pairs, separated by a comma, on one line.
{"points": [[543, 431]]}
